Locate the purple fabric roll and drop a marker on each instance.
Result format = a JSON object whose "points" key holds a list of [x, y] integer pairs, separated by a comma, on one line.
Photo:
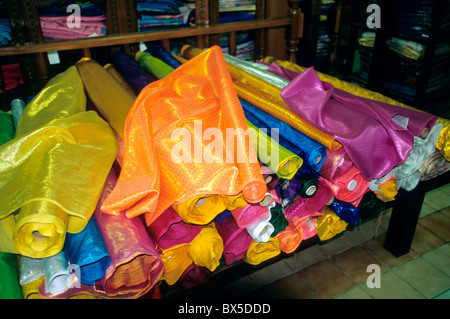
{"points": [[193, 276], [376, 136]]}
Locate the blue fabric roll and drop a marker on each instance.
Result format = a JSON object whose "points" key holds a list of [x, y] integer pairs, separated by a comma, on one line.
{"points": [[312, 152], [135, 75], [159, 52], [87, 249], [346, 211]]}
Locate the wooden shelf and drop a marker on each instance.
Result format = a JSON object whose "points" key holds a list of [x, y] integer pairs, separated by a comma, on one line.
{"points": [[136, 37]]}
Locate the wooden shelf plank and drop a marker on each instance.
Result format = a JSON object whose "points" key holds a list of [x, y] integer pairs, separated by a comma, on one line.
{"points": [[136, 37]]}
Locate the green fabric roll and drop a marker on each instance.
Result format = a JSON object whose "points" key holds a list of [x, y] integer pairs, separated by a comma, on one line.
{"points": [[9, 277], [6, 127], [9, 272], [278, 220], [153, 65]]}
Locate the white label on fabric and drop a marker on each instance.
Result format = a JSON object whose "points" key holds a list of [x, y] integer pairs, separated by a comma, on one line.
{"points": [[53, 57]]}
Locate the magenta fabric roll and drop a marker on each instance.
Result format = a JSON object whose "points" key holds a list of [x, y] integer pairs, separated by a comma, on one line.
{"points": [[303, 207], [244, 216], [336, 164], [376, 136], [236, 240], [169, 230]]}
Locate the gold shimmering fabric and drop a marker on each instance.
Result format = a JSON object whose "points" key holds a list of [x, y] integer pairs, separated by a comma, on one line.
{"points": [[119, 78], [109, 97], [266, 97], [54, 169], [329, 224], [176, 259], [259, 252], [184, 137], [443, 143]]}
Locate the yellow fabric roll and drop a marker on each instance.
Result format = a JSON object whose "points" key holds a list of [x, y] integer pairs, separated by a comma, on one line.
{"points": [[207, 247], [388, 190], [443, 143], [329, 224], [30, 290], [119, 78], [201, 209], [259, 252], [153, 65], [54, 169], [236, 201], [176, 259], [285, 163], [110, 98]]}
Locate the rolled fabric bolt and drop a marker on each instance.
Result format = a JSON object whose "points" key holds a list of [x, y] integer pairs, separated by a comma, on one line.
{"points": [[176, 260], [290, 238], [236, 201], [193, 276], [17, 107], [202, 209], [58, 277], [207, 248], [261, 229], [259, 252]]}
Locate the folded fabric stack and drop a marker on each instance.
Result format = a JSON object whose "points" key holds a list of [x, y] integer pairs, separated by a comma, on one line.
{"points": [[5, 31], [197, 163], [156, 15], [236, 10], [65, 22]]}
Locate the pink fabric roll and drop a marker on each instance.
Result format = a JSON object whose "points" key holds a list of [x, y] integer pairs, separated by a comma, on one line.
{"points": [[376, 136], [244, 216], [305, 207], [336, 164], [58, 28], [236, 240], [350, 187], [169, 230]]}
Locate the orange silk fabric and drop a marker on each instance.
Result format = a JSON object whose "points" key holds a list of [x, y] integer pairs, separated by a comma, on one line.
{"points": [[195, 98]]}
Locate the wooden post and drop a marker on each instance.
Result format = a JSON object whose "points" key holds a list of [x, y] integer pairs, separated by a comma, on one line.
{"points": [[296, 30]]}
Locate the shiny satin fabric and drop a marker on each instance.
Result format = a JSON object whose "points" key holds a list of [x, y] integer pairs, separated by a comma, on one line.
{"points": [[329, 224], [266, 97], [290, 238], [207, 247], [302, 207], [364, 127], [285, 163], [277, 220], [197, 96], [336, 164], [64, 153], [108, 96], [260, 252], [58, 276], [9, 277], [350, 187], [290, 70], [304, 185], [270, 177], [387, 190], [133, 73], [176, 260], [312, 152], [345, 211], [236, 240], [135, 263], [87, 249], [153, 65], [170, 230]]}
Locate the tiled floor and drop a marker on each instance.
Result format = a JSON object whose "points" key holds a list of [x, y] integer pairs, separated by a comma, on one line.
{"points": [[338, 269]]}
